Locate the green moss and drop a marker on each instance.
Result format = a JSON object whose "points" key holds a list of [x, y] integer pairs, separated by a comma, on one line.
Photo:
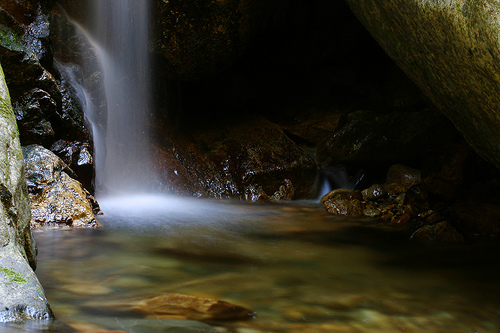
{"points": [[10, 40], [14, 276]]}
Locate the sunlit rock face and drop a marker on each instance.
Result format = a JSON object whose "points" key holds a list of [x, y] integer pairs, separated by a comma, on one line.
{"points": [[21, 295], [56, 198], [450, 49]]}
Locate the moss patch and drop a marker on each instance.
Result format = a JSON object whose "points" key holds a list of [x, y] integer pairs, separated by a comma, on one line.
{"points": [[14, 276]]}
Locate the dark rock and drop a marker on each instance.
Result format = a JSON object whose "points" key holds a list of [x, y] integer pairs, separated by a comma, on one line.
{"points": [[33, 112], [203, 37], [234, 155], [440, 232], [433, 42], [285, 192], [418, 198], [477, 214], [374, 192], [445, 170], [47, 108], [368, 136], [404, 175]]}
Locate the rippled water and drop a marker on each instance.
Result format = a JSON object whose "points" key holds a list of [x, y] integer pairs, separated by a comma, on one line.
{"points": [[298, 268]]}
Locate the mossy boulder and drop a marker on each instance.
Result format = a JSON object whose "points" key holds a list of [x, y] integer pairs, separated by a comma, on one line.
{"points": [[450, 49], [21, 295]]}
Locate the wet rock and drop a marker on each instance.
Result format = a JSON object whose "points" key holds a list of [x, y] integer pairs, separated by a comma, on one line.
{"points": [[403, 175], [237, 158], [33, 112], [339, 202], [418, 198], [47, 108], [21, 295], [79, 158], [55, 197], [180, 306], [432, 42], [439, 232], [285, 192], [374, 192], [255, 194], [445, 170], [368, 137]]}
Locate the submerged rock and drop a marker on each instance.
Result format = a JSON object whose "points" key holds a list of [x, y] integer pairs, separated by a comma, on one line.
{"points": [[178, 306], [21, 295], [56, 198]]}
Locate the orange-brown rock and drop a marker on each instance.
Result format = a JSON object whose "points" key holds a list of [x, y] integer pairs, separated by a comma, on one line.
{"points": [[181, 306]]}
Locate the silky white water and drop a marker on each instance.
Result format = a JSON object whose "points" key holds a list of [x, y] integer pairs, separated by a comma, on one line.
{"points": [[121, 30]]}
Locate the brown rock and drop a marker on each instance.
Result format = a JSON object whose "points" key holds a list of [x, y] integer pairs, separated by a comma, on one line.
{"points": [[401, 174], [440, 232], [236, 158], [180, 306], [344, 206]]}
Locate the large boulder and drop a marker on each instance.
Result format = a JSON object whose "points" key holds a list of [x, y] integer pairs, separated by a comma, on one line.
{"points": [[235, 158], [21, 295], [450, 49]]}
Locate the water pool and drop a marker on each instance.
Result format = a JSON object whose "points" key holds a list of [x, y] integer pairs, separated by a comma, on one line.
{"points": [[296, 267]]}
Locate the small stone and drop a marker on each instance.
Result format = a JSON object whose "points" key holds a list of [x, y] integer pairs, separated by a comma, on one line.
{"points": [[374, 192], [372, 212]]}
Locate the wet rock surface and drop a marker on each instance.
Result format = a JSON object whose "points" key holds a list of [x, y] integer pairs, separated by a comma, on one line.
{"points": [[56, 199], [250, 159], [46, 107], [452, 201]]}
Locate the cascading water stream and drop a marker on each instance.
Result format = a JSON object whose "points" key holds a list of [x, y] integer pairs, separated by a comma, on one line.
{"points": [[121, 30]]}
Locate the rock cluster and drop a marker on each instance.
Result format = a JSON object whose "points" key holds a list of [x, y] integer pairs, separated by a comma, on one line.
{"points": [[440, 203], [47, 109]]}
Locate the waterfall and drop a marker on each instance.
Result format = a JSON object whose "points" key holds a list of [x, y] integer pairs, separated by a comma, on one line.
{"points": [[120, 28]]}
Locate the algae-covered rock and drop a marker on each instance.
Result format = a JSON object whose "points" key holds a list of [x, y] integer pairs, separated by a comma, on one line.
{"points": [[450, 49], [21, 295]]}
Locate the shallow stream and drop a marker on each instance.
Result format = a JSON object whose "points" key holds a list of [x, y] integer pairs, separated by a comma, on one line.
{"points": [[296, 267]]}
